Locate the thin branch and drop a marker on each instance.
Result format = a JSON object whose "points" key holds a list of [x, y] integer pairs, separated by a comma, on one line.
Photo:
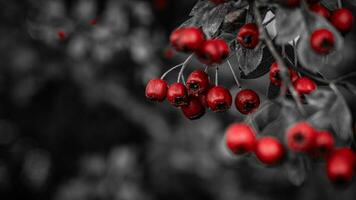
{"points": [[282, 67], [234, 75], [217, 75], [183, 67], [339, 3], [171, 69]]}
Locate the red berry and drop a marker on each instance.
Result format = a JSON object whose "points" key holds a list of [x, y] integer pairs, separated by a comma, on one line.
{"points": [[340, 166], [305, 85], [320, 10], [177, 94], [198, 82], [240, 138], [324, 144], [219, 99], [93, 21], [322, 41], [342, 19], [62, 35], [156, 90], [247, 101], [269, 150], [194, 109], [213, 51], [187, 39], [218, 1], [248, 36], [289, 3], [275, 77], [301, 137]]}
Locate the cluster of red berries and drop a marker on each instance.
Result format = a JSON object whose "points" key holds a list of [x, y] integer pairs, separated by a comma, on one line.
{"points": [[301, 137]]}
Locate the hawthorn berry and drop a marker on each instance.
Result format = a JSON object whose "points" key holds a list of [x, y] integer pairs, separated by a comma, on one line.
{"points": [[324, 144], [62, 36], [289, 3], [203, 101], [320, 10], [342, 19], [218, 1], [177, 94], [304, 85], [213, 51], [156, 90], [269, 150], [247, 101], [248, 35], [240, 138], [187, 39], [194, 109], [275, 77], [198, 82], [322, 41], [301, 137], [219, 99], [340, 166]]}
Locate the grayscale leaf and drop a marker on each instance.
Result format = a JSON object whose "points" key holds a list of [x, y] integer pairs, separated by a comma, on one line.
{"points": [[213, 19], [249, 59], [289, 25]]}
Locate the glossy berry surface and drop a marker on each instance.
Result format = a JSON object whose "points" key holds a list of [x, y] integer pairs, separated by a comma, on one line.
{"points": [[177, 94], [275, 77], [156, 90], [194, 109], [219, 99], [240, 138], [247, 101], [340, 166], [198, 82], [248, 36], [320, 10], [342, 19], [269, 150], [324, 144], [322, 41], [305, 85], [213, 51], [301, 137], [187, 39]]}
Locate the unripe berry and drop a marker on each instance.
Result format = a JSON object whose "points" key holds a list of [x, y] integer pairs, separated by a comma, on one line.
{"points": [[248, 36], [322, 41], [213, 51], [187, 39], [324, 144], [320, 10], [342, 19], [275, 77], [156, 90], [304, 85], [219, 99], [240, 138], [194, 109], [340, 166], [198, 82], [247, 101], [269, 150], [177, 94], [301, 137]]}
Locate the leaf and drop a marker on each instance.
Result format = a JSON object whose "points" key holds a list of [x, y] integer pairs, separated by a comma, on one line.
{"points": [[273, 91], [289, 25], [307, 56], [199, 6], [213, 19], [321, 99], [263, 67], [249, 59], [330, 4], [320, 120], [296, 168], [267, 113]]}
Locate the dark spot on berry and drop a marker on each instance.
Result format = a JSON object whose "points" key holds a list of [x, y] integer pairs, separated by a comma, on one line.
{"points": [[326, 44], [277, 76], [298, 137], [247, 39], [241, 150], [221, 107], [179, 100], [194, 86], [249, 106], [224, 56]]}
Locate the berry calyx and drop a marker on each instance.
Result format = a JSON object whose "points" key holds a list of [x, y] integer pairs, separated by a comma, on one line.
{"points": [[198, 82], [247, 101], [304, 85], [219, 99], [240, 138], [177, 94], [324, 144], [340, 166], [301, 137], [269, 150], [248, 36], [342, 19], [275, 76], [320, 10], [187, 39], [156, 90], [322, 41], [194, 109], [213, 51]]}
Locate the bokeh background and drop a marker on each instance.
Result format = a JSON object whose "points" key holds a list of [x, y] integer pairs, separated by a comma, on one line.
{"points": [[75, 125]]}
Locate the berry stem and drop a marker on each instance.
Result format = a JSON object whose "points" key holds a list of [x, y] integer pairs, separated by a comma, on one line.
{"points": [[295, 54], [339, 3], [283, 69], [171, 69], [217, 75], [206, 69], [184, 65], [234, 75]]}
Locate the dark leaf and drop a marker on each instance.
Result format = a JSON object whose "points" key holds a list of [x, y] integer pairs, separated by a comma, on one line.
{"points": [[263, 67], [321, 99], [213, 19], [199, 6], [330, 4], [266, 114], [249, 59], [320, 120], [273, 91]]}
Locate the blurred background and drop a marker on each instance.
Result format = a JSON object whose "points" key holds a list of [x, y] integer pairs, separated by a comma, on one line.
{"points": [[75, 124]]}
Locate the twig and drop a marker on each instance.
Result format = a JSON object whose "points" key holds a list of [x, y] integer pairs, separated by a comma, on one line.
{"points": [[234, 75], [183, 67], [339, 3], [217, 75], [171, 69], [282, 67]]}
